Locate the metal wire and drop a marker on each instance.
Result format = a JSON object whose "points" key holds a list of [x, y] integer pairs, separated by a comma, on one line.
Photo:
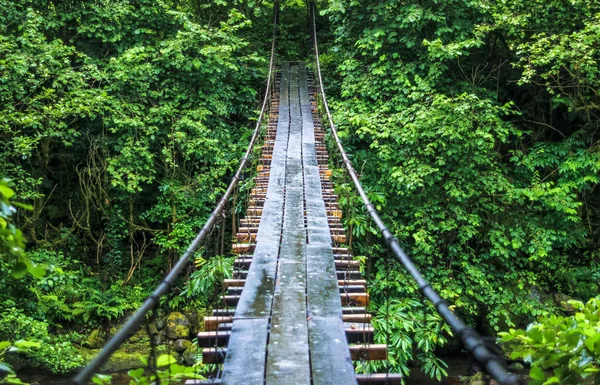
{"points": [[136, 320], [489, 360]]}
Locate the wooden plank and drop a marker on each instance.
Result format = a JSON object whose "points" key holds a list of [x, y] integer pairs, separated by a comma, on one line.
{"points": [[379, 379], [212, 323], [345, 311], [354, 299], [362, 318], [366, 352], [330, 356], [357, 353], [227, 283], [213, 355], [212, 339], [288, 361], [245, 360]]}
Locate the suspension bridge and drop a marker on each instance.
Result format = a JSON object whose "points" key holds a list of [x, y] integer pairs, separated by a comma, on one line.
{"points": [[295, 311]]}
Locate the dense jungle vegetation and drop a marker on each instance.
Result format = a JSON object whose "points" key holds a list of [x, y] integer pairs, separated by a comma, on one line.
{"points": [[474, 125]]}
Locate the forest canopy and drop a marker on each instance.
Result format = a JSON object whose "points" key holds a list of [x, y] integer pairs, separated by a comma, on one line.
{"points": [[474, 125]]}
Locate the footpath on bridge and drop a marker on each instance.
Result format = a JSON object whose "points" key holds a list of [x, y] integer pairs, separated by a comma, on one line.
{"points": [[299, 298]]}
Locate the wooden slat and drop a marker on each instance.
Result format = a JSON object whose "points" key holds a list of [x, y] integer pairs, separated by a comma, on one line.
{"points": [[379, 379], [212, 323], [234, 283], [368, 352], [357, 353], [210, 339], [357, 299], [361, 318]]}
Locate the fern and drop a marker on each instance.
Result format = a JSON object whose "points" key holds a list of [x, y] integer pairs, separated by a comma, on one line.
{"points": [[208, 277]]}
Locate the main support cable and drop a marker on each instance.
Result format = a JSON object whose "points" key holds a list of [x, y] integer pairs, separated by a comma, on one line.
{"points": [[133, 323], [489, 360]]}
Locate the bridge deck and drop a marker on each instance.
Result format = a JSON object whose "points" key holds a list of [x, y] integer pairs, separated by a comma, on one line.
{"points": [[287, 327]]}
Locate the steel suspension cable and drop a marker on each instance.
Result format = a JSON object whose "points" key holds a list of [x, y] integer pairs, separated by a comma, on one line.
{"points": [[136, 320], [492, 363]]}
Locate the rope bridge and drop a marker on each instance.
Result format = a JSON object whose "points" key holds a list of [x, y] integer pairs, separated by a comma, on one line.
{"points": [[295, 310]]}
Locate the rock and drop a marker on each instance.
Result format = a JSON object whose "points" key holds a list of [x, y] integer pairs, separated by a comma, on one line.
{"points": [[194, 316], [94, 340], [161, 320], [139, 336], [17, 361], [477, 379], [181, 345], [178, 326], [152, 329], [516, 366], [158, 339], [537, 293], [124, 360], [190, 355], [561, 300]]}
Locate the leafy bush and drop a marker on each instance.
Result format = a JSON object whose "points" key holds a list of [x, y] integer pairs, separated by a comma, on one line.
{"points": [[562, 349], [7, 374], [12, 241], [208, 277], [53, 352], [167, 370], [412, 330]]}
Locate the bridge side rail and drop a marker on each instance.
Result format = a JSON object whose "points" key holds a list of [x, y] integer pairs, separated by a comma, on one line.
{"points": [[493, 364], [136, 320]]}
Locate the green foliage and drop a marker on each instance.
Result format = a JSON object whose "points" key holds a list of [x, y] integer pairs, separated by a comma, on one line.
{"points": [[413, 331], [12, 242], [207, 279], [476, 181], [8, 374], [55, 353], [123, 121], [561, 349], [167, 370], [474, 126]]}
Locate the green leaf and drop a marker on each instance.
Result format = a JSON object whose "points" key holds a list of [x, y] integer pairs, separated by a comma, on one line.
{"points": [[19, 270], [136, 373], [165, 360], [38, 271], [27, 344], [552, 380], [537, 373], [6, 191], [4, 367]]}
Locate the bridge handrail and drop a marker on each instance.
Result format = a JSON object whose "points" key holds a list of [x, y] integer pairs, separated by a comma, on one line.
{"points": [[489, 360], [135, 321]]}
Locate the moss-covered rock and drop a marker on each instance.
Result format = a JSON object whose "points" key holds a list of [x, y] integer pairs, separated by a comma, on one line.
{"points": [[178, 326], [516, 366], [124, 360], [195, 316], [477, 379], [95, 340], [562, 300], [161, 320], [152, 329], [181, 345], [190, 355]]}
